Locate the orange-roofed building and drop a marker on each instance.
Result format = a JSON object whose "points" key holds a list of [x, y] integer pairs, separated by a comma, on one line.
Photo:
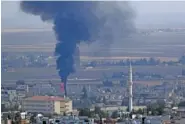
{"points": [[47, 104]]}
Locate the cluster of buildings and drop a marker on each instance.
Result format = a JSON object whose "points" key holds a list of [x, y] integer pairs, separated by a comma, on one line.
{"points": [[47, 98], [113, 95], [14, 92]]}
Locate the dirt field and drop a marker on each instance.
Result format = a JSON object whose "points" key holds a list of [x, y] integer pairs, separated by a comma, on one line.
{"points": [[43, 40], [149, 83], [24, 30], [52, 74]]}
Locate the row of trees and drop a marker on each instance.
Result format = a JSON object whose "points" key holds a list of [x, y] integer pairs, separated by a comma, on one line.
{"points": [[182, 60], [138, 74], [156, 108], [116, 114], [143, 61], [152, 109], [14, 117], [181, 104], [10, 107], [96, 113], [24, 61]]}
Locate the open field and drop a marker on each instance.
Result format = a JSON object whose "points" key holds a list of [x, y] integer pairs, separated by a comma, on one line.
{"points": [[29, 48], [149, 83], [41, 40], [95, 73], [24, 30]]}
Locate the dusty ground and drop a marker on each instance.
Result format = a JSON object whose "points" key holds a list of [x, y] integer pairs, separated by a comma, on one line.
{"points": [[43, 40], [149, 83], [52, 73]]}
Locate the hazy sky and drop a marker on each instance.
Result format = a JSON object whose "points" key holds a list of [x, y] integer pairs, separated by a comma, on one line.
{"points": [[149, 14]]}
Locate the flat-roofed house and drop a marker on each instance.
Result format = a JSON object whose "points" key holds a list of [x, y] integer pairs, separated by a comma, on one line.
{"points": [[47, 104]]}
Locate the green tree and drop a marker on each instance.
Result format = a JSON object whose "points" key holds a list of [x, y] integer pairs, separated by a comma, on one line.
{"points": [[103, 114], [152, 61], [156, 108], [181, 104], [160, 110], [139, 111], [182, 60], [87, 112], [127, 109], [3, 108], [85, 94], [84, 112], [33, 118], [17, 118], [97, 110], [20, 82], [115, 114], [104, 100]]}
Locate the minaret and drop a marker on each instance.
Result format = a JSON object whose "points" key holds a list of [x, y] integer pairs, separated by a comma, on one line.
{"points": [[130, 83]]}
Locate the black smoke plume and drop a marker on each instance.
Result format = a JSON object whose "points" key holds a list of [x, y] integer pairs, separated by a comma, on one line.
{"points": [[85, 21]]}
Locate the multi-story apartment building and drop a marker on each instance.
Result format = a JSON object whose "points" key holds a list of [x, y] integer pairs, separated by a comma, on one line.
{"points": [[22, 91], [12, 94], [8, 94], [4, 95], [47, 104]]}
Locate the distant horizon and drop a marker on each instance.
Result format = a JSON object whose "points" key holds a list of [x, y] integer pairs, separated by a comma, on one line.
{"points": [[148, 15], [40, 29]]}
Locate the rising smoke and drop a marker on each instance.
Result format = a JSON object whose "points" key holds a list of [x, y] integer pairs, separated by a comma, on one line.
{"points": [[86, 21]]}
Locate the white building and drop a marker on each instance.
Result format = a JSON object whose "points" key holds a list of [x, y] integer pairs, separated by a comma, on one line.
{"points": [[12, 94], [47, 104]]}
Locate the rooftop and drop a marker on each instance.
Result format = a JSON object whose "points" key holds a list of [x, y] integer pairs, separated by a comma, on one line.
{"points": [[45, 98]]}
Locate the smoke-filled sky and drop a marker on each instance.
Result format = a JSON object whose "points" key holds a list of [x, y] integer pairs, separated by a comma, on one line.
{"points": [[149, 14], [74, 22]]}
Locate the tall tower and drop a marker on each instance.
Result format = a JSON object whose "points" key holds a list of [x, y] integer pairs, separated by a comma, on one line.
{"points": [[130, 83]]}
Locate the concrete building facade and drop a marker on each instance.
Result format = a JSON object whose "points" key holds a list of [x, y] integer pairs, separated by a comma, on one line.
{"points": [[47, 104]]}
